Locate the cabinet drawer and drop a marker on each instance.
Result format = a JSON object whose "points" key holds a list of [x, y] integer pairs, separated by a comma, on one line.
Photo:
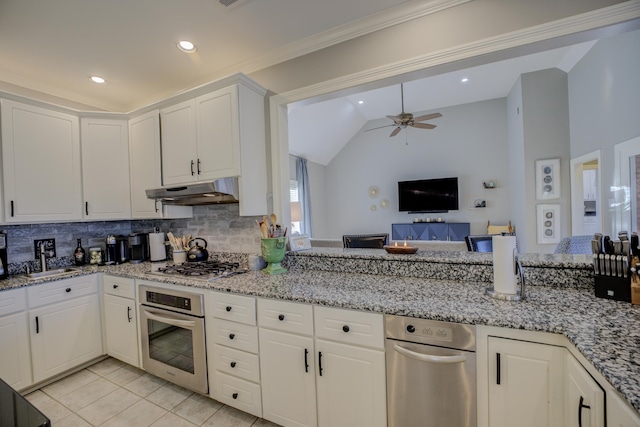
{"points": [[119, 286], [285, 316], [238, 393], [351, 327], [234, 307], [237, 363], [61, 290], [236, 335], [13, 301]]}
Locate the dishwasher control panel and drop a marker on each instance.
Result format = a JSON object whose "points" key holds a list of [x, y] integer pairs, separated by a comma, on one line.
{"points": [[437, 333], [448, 334]]}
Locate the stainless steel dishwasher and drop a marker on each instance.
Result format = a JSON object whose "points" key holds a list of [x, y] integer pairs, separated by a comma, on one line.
{"points": [[431, 373]]}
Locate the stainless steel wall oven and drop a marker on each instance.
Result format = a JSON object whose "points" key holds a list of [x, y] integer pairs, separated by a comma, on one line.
{"points": [[172, 336]]}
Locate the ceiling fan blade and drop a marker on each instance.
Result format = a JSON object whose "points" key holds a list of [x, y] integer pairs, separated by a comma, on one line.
{"points": [[395, 131], [427, 117], [379, 127], [423, 125]]}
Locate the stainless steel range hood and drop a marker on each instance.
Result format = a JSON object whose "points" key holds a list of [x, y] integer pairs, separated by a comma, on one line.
{"points": [[220, 191]]}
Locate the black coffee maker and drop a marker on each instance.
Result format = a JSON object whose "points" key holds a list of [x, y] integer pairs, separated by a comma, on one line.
{"points": [[4, 266], [138, 247]]}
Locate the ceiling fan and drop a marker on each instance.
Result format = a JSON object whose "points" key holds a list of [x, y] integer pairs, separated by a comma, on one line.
{"points": [[402, 120]]}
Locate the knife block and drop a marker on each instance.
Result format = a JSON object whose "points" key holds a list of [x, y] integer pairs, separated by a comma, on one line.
{"points": [[615, 288]]}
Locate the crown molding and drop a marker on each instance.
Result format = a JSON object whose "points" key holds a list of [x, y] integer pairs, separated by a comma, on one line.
{"points": [[379, 21], [599, 19]]}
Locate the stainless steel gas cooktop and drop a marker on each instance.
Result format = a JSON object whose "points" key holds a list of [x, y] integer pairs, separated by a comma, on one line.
{"points": [[205, 270]]}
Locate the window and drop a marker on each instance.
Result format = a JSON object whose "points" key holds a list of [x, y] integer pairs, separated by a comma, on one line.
{"points": [[294, 198]]}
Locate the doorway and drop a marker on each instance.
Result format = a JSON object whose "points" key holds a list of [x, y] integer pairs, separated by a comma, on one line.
{"points": [[586, 207], [627, 165]]}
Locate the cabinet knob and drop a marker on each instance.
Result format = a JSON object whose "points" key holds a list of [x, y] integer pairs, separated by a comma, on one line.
{"points": [[115, 286], [232, 336], [233, 364], [234, 395], [68, 290], [281, 317], [228, 308], [411, 329], [345, 328]]}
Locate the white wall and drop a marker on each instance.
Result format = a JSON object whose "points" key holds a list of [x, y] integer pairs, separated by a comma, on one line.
{"points": [[604, 101], [515, 131], [545, 112], [470, 142]]}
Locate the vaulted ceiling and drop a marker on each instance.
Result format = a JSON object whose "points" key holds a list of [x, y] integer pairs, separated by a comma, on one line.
{"points": [[319, 131]]}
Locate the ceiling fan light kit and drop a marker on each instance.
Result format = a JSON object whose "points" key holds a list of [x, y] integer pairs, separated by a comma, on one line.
{"points": [[402, 120]]}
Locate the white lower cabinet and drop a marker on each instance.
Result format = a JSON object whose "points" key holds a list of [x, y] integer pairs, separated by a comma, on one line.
{"points": [[15, 368], [323, 380], [583, 397], [65, 328], [351, 385], [525, 384], [620, 413], [232, 343], [120, 320], [288, 378], [121, 330]]}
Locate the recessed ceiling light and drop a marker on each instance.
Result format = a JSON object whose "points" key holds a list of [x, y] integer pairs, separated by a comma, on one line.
{"points": [[360, 102], [97, 79], [187, 46], [464, 80]]}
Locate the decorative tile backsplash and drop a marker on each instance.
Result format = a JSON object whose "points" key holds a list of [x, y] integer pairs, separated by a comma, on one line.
{"points": [[220, 225]]}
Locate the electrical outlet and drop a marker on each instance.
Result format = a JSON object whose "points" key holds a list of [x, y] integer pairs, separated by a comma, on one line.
{"points": [[50, 248]]}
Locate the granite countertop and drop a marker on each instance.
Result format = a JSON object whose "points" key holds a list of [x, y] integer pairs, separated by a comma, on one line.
{"points": [[606, 332]]}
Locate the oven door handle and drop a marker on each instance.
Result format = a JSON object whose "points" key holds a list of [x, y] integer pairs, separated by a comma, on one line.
{"points": [[430, 357], [169, 320]]}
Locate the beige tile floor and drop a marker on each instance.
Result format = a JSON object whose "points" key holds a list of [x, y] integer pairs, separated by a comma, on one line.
{"points": [[111, 393]]}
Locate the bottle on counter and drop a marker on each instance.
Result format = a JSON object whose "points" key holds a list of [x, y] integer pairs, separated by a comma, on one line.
{"points": [[79, 254]]}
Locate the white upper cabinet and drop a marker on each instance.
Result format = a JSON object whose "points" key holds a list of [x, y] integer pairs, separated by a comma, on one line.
{"points": [[179, 149], [105, 169], [145, 172], [220, 134], [42, 175]]}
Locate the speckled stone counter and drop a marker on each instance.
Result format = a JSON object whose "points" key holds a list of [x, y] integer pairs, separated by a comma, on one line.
{"points": [[540, 269], [606, 332]]}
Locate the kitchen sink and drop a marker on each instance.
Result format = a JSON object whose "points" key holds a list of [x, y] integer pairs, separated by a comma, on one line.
{"points": [[59, 272]]}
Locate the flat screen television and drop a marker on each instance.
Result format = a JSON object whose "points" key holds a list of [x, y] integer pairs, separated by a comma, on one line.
{"points": [[428, 195]]}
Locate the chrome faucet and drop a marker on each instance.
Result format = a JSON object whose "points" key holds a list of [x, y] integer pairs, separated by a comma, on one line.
{"points": [[43, 256]]}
